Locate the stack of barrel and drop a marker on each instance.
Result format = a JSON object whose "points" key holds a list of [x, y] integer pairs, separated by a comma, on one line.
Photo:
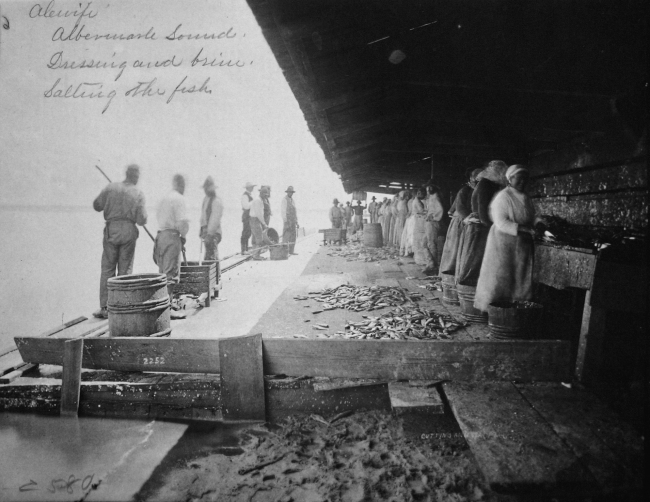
{"points": [[138, 305]]}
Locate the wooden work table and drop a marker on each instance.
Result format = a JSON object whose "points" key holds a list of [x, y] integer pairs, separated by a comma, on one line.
{"points": [[609, 286]]}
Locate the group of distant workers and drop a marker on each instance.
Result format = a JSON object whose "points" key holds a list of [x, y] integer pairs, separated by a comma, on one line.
{"points": [[123, 205], [348, 215]]}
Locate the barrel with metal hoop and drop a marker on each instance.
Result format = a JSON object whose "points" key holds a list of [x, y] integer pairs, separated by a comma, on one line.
{"points": [[138, 305], [372, 236], [518, 319], [466, 296], [449, 293]]}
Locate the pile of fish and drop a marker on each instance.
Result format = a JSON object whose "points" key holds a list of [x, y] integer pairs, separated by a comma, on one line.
{"points": [[358, 252], [358, 298], [615, 245], [402, 324], [433, 283]]}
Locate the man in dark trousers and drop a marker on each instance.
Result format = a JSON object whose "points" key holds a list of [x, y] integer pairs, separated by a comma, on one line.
{"points": [[289, 219], [246, 201], [358, 217], [123, 206], [211, 213]]}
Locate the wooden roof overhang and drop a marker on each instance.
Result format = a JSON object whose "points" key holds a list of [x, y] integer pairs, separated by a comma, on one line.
{"points": [[481, 80]]}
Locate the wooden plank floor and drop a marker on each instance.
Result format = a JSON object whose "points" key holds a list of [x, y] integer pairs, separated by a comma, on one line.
{"points": [[468, 359], [545, 436], [288, 317]]}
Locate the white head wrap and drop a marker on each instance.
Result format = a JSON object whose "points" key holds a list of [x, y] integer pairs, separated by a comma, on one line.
{"points": [[496, 172], [514, 169]]}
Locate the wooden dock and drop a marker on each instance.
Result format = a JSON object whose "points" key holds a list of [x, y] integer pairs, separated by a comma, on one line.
{"points": [[526, 429]]}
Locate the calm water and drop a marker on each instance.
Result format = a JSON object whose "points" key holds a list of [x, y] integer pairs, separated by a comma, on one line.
{"points": [[50, 258]]}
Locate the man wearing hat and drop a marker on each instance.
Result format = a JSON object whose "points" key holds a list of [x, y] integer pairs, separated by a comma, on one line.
{"points": [[211, 213], [258, 224], [123, 206], [246, 201], [347, 214], [290, 220], [372, 209], [336, 215]]}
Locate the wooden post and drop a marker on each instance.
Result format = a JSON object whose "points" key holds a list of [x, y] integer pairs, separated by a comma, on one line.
{"points": [[242, 378], [590, 347], [208, 288], [72, 357]]}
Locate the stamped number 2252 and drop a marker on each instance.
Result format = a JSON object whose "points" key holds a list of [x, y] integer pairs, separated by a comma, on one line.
{"points": [[154, 360]]}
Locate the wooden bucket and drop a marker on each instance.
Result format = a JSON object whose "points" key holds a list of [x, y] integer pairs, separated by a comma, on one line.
{"points": [[138, 305], [279, 252], [508, 320], [466, 296], [449, 292], [372, 235]]}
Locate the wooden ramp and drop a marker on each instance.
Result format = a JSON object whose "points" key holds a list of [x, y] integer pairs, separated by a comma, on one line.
{"points": [[546, 436]]}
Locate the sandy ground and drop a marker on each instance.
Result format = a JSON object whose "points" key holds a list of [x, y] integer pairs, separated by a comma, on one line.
{"points": [[366, 456]]}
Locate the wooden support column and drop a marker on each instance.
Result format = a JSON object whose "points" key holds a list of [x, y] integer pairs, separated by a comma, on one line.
{"points": [[72, 356], [242, 378], [590, 348]]}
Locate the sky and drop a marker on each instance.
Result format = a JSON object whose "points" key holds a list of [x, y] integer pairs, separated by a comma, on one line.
{"points": [[241, 122]]}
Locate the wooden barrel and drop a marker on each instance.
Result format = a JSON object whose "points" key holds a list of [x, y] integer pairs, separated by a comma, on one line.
{"points": [[508, 320], [466, 297], [449, 293], [138, 305], [372, 235], [279, 252]]}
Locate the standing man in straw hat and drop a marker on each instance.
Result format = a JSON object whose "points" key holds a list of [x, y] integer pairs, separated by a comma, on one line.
{"points": [[211, 213], [123, 206], [336, 215], [290, 219], [372, 210], [246, 201]]}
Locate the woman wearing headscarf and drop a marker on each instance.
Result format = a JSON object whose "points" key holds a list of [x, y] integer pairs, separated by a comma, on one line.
{"points": [[406, 242], [399, 215], [477, 225], [507, 269], [421, 253], [460, 209]]}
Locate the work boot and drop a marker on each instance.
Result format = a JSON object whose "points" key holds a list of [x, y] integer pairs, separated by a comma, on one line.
{"points": [[102, 313]]}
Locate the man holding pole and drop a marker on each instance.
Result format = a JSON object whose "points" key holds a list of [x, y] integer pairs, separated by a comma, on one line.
{"points": [[173, 225], [123, 206]]}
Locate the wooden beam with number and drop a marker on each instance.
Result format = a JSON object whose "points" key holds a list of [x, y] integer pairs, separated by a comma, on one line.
{"points": [[129, 354], [523, 360]]}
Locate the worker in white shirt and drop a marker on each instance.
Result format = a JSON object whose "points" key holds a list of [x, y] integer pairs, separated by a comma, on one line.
{"points": [[173, 225], [258, 224], [246, 201], [435, 213], [290, 220], [372, 210]]}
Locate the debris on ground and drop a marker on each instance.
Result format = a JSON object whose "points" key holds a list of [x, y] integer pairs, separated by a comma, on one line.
{"points": [[358, 252], [364, 456], [358, 298]]}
